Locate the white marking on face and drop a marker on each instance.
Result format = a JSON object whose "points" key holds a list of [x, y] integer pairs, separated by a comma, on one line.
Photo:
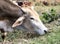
{"points": [[39, 26], [36, 22]]}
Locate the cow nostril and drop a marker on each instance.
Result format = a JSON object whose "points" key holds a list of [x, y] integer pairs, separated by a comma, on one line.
{"points": [[45, 31]]}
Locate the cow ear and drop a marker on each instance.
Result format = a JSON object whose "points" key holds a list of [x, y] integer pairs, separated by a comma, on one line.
{"points": [[18, 22]]}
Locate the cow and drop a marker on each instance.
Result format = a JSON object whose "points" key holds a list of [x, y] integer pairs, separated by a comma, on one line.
{"points": [[15, 16], [30, 20]]}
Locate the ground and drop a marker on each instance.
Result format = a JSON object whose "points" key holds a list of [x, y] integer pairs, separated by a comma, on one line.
{"points": [[52, 37]]}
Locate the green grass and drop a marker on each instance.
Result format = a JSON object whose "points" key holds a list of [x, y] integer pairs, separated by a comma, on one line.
{"points": [[53, 37]]}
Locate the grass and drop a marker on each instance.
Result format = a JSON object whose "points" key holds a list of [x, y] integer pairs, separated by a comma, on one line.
{"points": [[50, 38], [41, 9], [53, 37]]}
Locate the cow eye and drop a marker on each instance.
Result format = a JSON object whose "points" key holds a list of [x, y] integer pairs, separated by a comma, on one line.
{"points": [[32, 18]]}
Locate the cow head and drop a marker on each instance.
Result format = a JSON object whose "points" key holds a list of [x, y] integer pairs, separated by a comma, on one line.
{"points": [[31, 20]]}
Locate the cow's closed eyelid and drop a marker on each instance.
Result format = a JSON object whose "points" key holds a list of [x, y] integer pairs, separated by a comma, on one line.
{"points": [[32, 18]]}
